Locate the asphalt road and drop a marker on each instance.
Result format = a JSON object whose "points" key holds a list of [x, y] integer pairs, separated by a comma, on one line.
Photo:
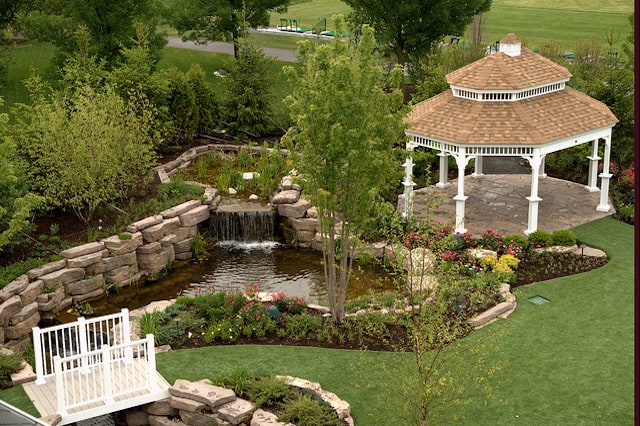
{"points": [[220, 47]]}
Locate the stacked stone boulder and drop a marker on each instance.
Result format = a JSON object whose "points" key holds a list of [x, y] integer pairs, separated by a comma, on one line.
{"points": [[203, 403], [298, 221], [85, 272]]}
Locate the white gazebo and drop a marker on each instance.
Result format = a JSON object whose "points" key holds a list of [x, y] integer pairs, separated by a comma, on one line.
{"points": [[513, 103]]}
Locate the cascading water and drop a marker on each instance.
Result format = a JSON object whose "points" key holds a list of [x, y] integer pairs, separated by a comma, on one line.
{"points": [[236, 220]]}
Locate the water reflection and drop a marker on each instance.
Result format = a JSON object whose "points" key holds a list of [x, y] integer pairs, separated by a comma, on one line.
{"points": [[272, 266]]}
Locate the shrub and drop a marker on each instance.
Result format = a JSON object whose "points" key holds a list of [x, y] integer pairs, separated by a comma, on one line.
{"points": [[540, 239], [305, 411], [9, 364], [267, 391], [516, 239], [564, 237], [298, 326], [13, 271]]}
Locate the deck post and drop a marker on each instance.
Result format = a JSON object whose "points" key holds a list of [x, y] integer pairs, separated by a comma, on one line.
{"points": [[125, 329], [106, 374], [83, 343], [60, 391], [38, 352], [151, 363]]}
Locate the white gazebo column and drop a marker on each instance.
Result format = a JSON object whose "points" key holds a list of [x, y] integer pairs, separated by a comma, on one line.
{"points": [[605, 176], [408, 184], [592, 181], [477, 169], [443, 181], [460, 198], [532, 224]]}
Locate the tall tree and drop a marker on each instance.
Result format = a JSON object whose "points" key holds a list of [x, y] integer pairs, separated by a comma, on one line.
{"points": [[406, 27], [16, 203], [211, 20], [110, 24], [346, 126]]}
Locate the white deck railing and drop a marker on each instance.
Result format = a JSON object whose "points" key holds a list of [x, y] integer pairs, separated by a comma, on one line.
{"points": [[78, 337], [105, 374]]}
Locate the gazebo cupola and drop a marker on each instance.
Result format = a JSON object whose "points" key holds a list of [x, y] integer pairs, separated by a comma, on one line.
{"points": [[513, 103]]}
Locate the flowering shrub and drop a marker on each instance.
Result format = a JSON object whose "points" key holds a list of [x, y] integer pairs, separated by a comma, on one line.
{"points": [[288, 304], [626, 180], [492, 240]]}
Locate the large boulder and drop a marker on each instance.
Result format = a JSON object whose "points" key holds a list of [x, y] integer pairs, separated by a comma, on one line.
{"points": [[294, 210], [16, 286]]}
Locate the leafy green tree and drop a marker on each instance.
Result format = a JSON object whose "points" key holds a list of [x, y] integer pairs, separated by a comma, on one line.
{"points": [[248, 87], [408, 27], [347, 122], [211, 20], [431, 70], [16, 203], [84, 150], [607, 74], [111, 25]]}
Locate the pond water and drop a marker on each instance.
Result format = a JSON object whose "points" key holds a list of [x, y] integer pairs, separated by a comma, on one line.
{"points": [[233, 265]]}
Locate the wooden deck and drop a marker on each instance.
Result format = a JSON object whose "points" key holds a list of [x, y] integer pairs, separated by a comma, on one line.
{"points": [[127, 376]]}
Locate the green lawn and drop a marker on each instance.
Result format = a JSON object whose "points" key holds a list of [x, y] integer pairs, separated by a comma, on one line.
{"points": [[569, 361], [535, 22]]}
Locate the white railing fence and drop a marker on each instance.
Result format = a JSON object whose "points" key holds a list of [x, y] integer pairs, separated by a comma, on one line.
{"points": [[79, 337], [105, 374]]}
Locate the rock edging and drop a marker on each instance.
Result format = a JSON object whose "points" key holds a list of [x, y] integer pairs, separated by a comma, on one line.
{"points": [[203, 403]]}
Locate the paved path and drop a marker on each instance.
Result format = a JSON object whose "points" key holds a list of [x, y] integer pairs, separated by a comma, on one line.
{"points": [[221, 47]]}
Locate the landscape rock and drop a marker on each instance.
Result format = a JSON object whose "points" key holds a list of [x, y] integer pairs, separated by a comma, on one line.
{"points": [[164, 421], [85, 286], [213, 396], [25, 313], [294, 210], [288, 196], [24, 375], [236, 411], [9, 308], [186, 404], [153, 233], [117, 246], [162, 408], [265, 418], [31, 293], [16, 286], [82, 250], [151, 248], [86, 260], [144, 223], [47, 268], [22, 329], [195, 216], [63, 276], [176, 211]]}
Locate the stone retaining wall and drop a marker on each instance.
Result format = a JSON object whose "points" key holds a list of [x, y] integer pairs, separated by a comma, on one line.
{"points": [[143, 253]]}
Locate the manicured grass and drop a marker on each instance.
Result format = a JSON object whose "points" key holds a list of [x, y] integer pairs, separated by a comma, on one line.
{"points": [[536, 26], [26, 58], [535, 22], [569, 361], [310, 12]]}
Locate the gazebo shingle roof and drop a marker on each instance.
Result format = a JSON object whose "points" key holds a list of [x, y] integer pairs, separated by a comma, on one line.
{"points": [[503, 72], [532, 121]]}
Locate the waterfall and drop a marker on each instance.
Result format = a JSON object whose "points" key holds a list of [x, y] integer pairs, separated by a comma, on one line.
{"points": [[242, 221]]}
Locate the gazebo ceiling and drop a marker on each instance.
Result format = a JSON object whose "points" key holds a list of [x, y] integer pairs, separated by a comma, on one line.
{"points": [[533, 121]]}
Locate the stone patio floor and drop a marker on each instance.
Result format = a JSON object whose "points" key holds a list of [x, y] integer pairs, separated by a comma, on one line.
{"points": [[497, 202]]}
